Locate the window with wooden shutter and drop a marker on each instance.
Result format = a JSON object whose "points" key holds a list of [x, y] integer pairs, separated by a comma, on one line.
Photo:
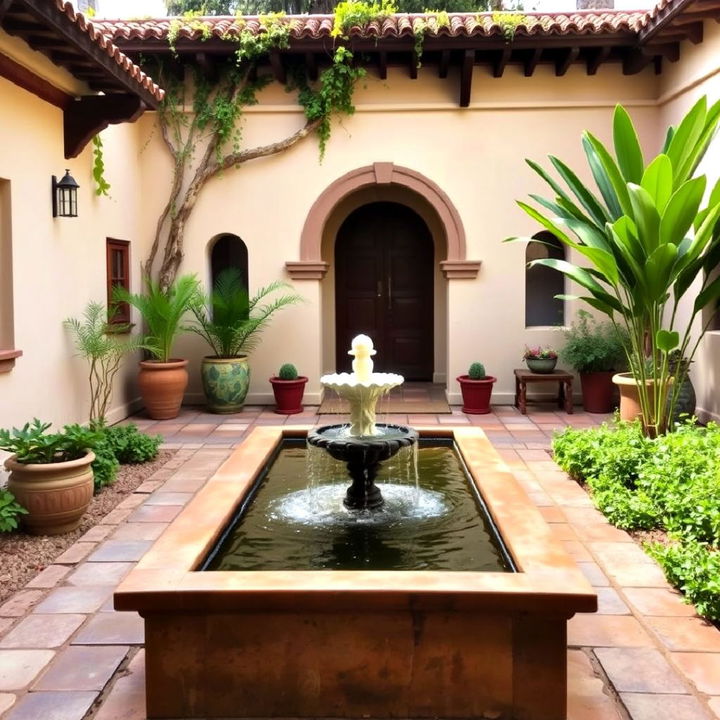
{"points": [[118, 274]]}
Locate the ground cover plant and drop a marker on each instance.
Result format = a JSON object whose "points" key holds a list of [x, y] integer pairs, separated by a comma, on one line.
{"points": [[670, 483]]}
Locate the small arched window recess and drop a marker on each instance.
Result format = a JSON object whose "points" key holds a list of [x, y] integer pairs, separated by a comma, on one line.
{"points": [[542, 284], [229, 251]]}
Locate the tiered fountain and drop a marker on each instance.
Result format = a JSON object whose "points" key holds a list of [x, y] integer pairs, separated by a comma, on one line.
{"points": [[363, 444]]}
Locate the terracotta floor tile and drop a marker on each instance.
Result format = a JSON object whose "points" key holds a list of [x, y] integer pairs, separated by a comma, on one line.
{"points": [[155, 513], [553, 514], [563, 531], [702, 668], [116, 516], [593, 532], [49, 577], [139, 531], [82, 668], [75, 553], [74, 600], [7, 700], [132, 501], [659, 601], [586, 630], [686, 633], [610, 603], [100, 573], [120, 551], [18, 668], [148, 486], [577, 550], [169, 498], [96, 534], [19, 603], [52, 706], [42, 631], [184, 484], [126, 700], [116, 628], [640, 670], [595, 576], [664, 707]]}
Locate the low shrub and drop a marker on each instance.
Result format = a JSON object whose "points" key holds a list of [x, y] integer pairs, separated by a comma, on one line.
{"points": [[10, 509], [132, 446], [105, 466], [671, 483]]}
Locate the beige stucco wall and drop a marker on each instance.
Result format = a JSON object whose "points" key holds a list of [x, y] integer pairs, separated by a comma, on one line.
{"points": [[58, 264], [683, 83], [476, 155]]}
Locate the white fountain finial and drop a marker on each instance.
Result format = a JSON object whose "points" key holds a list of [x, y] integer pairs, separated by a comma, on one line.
{"points": [[363, 350]]}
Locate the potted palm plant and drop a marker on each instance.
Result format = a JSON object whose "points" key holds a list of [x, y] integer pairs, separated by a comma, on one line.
{"points": [[476, 388], [596, 351], [50, 474], [163, 379], [650, 236], [288, 388], [231, 322]]}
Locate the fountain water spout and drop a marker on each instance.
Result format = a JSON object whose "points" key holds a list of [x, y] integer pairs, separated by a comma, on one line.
{"points": [[366, 444]]}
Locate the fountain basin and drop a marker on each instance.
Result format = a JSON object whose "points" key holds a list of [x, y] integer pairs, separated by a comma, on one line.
{"points": [[379, 644]]}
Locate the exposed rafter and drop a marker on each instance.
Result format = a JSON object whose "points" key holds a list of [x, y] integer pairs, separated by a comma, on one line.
{"points": [[466, 74]]}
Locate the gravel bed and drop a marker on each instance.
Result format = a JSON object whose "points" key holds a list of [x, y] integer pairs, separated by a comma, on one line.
{"points": [[23, 556]]}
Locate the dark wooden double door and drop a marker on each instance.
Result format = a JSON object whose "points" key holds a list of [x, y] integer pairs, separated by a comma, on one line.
{"points": [[384, 259]]}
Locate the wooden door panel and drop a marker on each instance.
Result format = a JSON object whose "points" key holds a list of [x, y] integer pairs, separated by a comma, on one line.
{"points": [[384, 259]]}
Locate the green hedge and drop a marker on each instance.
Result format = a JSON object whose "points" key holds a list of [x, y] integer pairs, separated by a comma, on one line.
{"points": [[671, 483]]}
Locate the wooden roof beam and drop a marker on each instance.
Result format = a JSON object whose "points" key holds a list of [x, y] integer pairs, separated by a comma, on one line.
{"points": [[694, 32], [311, 66], [444, 64], [382, 64], [414, 65], [466, 73], [664, 18], [596, 59], [206, 63], [501, 61], [73, 35], [28, 80], [277, 66], [562, 65], [531, 62], [635, 61], [86, 117], [4, 7]]}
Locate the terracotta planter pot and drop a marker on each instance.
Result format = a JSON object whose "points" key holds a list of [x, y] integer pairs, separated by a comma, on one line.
{"points": [[476, 394], [56, 495], [225, 382], [541, 365], [597, 391], [162, 386], [630, 397], [288, 395]]}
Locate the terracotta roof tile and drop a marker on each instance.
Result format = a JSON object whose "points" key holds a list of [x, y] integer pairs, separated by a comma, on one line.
{"points": [[99, 36], [401, 25]]}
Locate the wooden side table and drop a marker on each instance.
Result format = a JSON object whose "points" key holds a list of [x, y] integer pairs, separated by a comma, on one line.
{"points": [[563, 379]]}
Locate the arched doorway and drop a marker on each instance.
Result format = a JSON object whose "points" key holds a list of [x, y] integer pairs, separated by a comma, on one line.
{"points": [[384, 258]]}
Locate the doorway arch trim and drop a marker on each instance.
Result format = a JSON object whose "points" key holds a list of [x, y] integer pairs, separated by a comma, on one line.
{"points": [[311, 266]]}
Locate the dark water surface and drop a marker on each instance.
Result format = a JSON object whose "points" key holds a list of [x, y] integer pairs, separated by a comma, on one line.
{"points": [[295, 523]]}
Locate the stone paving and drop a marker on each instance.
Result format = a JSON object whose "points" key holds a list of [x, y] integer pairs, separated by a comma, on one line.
{"points": [[65, 654]]}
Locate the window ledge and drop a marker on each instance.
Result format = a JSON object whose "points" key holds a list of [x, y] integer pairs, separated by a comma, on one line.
{"points": [[7, 359]]}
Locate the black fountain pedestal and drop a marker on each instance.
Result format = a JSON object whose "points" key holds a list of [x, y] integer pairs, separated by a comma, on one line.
{"points": [[364, 457]]}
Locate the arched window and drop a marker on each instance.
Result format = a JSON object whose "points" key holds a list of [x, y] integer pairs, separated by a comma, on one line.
{"points": [[229, 251], [542, 284]]}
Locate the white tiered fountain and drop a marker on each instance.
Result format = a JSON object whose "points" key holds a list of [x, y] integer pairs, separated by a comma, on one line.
{"points": [[364, 444]]}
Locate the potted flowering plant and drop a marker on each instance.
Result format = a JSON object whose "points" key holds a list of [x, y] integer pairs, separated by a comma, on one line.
{"points": [[540, 359]]}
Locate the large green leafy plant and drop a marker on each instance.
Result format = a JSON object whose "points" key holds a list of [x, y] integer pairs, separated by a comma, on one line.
{"points": [[230, 321], [645, 240], [162, 310]]}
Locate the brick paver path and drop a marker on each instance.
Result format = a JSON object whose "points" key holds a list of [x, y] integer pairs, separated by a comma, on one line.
{"points": [[65, 654]]}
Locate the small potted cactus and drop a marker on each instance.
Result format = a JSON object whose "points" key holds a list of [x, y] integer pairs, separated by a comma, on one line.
{"points": [[288, 388], [476, 388]]}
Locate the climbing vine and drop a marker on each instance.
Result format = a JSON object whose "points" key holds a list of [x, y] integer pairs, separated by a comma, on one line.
{"points": [[102, 186], [435, 20], [208, 141]]}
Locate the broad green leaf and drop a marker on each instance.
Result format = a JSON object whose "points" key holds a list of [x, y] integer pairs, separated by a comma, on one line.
{"points": [[612, 173], [601, 179], [696, 153], [589, 234], [546, 223], [586, 198], [570, 205], [681, 210], [658, 270], [709, 295], [603, 307], [685, 137], [667, 340], [558, 208], [658, 181], [627, 147], [646, 217], [668, 139]]}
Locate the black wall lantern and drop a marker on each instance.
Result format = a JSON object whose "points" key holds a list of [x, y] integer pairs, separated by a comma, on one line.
{"points": [[64, 196]]}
